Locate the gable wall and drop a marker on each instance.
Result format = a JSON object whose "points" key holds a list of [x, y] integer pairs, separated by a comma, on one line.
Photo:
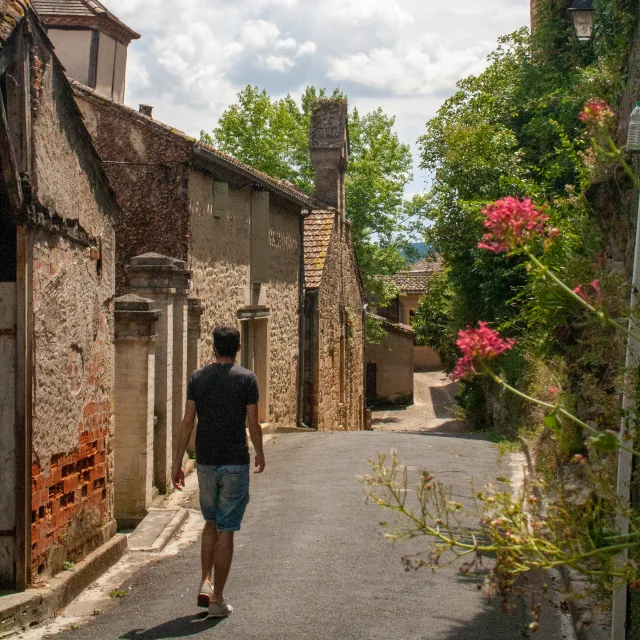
{"points": [[150, 181], [340, 286]]}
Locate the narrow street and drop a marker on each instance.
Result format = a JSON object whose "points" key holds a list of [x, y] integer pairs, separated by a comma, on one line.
{"points": [[434, 409], [311, 561]]}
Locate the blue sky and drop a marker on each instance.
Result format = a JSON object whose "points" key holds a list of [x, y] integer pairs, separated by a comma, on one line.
{"points": [[402, 55]]}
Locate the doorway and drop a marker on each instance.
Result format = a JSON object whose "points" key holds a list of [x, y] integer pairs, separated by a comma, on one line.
{"points": [[8, 451], [255, 357]]}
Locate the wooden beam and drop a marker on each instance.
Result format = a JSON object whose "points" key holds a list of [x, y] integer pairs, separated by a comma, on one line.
{"points": [[9, 165]]}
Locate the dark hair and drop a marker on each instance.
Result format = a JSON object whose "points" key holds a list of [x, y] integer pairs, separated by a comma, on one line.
{"points": [[226, 341]]}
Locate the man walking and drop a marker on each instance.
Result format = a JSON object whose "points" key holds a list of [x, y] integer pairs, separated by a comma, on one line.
{"points": [[225, 398]]}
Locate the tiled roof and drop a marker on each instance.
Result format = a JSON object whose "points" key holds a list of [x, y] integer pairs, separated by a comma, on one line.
{"points": [[202, 149], [11, 13], [317, 233], [416, 281], [56, 9], [395, 327]]}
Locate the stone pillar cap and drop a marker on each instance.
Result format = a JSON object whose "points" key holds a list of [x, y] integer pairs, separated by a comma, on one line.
{"points": [[194, 304], [132, 302], [154, 260]]}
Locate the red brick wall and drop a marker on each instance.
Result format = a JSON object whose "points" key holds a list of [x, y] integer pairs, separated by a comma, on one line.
{"points": [[71, 484]]}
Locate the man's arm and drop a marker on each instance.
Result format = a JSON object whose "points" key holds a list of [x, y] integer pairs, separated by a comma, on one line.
{"points": [[184, 435], [255, 432]]}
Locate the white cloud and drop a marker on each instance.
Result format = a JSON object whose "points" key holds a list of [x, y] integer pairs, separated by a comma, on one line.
{"points": [[307, 48], [278, 63], [423, 69], [358, 12], [287, 44], [260, 33]]}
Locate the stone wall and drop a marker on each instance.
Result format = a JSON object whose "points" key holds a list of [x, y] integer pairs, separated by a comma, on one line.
{"points": [[340, 295], [219, 258], [393, 358], [146, 166], [283, 299], [72, 302]]}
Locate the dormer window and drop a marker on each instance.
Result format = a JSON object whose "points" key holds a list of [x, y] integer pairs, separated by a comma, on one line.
{"points": [[90, 42]]}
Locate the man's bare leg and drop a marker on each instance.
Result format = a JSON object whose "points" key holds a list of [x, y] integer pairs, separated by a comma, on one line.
{"points": [[222, 563], [208, 549]]}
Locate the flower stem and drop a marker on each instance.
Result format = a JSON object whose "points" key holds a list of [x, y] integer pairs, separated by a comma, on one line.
{"points": [[556, 408], [547, 272], [624, 163]]}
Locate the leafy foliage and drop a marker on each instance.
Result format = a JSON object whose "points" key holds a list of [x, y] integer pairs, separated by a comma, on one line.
{"points": [[272, 135]]}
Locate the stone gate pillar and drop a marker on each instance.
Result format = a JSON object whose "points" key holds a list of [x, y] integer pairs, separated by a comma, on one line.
{"points": [[135, 343], [181, 284], [194, 314], [151, 275]]}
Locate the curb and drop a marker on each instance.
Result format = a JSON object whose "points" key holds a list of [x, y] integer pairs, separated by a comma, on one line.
{"points": [[37, 605], [271, 429], [586, 624]]}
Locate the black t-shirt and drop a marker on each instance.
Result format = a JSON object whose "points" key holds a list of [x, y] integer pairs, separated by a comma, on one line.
{"points": [[221, 393]]}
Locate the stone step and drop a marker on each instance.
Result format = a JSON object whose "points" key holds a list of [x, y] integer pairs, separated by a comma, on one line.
{"points": [[157, 528]]}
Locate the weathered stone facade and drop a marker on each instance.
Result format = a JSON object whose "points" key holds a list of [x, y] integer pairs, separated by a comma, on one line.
{"points": [[340, 403], [334, 299], [201, 206], [61, 217], [146, 165]]}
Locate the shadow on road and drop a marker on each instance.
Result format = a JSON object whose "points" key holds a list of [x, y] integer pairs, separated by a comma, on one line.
{"points": [[177, 628], [385, 420], [443, 400]]}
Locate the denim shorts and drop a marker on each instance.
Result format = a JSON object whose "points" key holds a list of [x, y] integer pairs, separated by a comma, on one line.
{"points": [[224, 494]]}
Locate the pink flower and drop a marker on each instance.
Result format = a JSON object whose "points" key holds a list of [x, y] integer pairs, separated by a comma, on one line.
{"points": [[512, 223], [596, 113], [592, 299], [477, 345], [464, 369]]}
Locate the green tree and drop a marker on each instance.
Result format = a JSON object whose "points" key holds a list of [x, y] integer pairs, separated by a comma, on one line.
{"points": [[272, 136]]}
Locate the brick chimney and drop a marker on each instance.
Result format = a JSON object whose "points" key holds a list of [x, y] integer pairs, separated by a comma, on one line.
{"points": [[329, 148]]}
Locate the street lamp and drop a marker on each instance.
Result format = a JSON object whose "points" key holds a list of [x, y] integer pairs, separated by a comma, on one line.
{"points": [[581, 13]]}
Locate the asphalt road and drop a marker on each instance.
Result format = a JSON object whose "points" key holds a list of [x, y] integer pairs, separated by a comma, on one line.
{"points": [[311, 562]]}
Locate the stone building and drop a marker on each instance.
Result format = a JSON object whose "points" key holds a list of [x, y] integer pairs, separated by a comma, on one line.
{"points": [[333, 356], [236, 230], [390, 366], [413, 284], [57, 284]]}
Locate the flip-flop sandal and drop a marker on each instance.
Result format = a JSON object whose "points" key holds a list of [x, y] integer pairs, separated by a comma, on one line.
{"points": [[205, 595]]}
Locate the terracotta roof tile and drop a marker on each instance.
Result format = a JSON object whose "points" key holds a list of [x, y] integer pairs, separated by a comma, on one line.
{"points": [[317, 234], [398, 327], [417, 280]]}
